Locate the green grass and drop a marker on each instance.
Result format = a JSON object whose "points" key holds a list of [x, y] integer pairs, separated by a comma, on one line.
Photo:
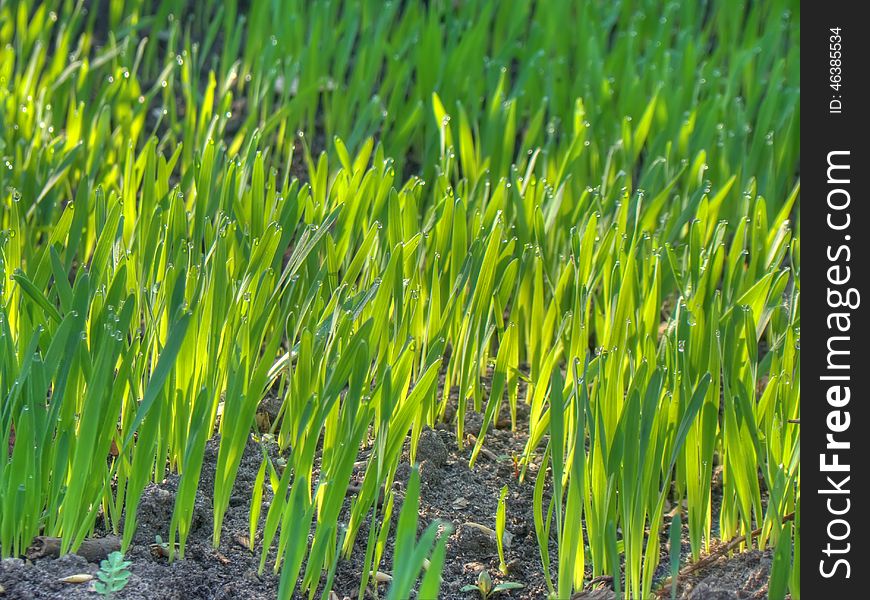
{"points": [[202, 204]]}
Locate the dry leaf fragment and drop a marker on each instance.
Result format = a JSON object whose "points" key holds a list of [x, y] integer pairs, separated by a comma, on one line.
{"points": [[482, 528], [381, 577], [264, 421], [472, 440], [507, 538], [77, 578], [243, 541]]}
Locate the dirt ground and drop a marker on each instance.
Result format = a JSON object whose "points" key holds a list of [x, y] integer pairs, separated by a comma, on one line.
{"points": [[450, 491]]}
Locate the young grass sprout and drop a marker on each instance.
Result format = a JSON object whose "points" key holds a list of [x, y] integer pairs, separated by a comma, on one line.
{"points": [[486, 589]]}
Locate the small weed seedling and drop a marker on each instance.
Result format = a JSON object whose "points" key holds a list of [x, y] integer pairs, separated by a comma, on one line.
{"points": [[113, 575], [486, 589], [159, 548]]}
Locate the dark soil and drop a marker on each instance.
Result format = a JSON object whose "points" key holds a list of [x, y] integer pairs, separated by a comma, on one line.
{"points": [[742, 576], [450, 492], [228, 572], [463, 498]]}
